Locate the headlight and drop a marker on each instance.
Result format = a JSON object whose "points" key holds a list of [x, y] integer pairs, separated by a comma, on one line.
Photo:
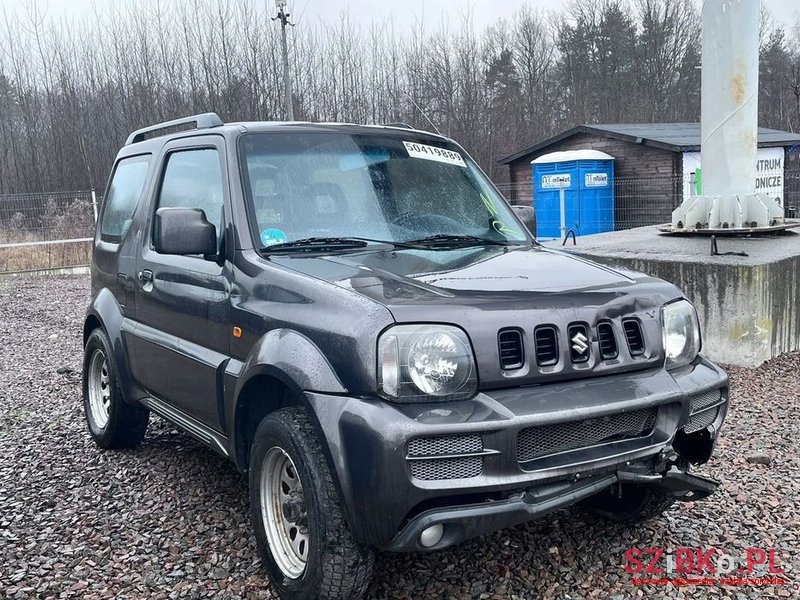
{"points": [[681, 333], [425, 362]]}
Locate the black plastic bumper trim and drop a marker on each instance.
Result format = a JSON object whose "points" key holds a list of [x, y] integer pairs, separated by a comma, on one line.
{"points": [[464, 522]]}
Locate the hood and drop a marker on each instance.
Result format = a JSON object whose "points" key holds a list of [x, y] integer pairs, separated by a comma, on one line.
{"points": [[466, 276], [488, 290]]}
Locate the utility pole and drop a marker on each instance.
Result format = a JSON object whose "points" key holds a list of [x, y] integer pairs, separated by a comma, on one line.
{"points": [[283, 17]]}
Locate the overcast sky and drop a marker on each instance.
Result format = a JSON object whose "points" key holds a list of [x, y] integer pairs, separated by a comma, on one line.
{"points": [[405, 13]]}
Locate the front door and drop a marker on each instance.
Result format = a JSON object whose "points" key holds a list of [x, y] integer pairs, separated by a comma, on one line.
{"points": [[182, 333]]}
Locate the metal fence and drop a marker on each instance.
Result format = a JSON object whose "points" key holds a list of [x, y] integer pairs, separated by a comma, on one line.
{"points": [[639, 202], [46, 231]]}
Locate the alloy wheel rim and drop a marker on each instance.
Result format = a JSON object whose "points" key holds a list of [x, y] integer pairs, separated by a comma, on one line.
{"points": [[283, 512], [99, 389]]}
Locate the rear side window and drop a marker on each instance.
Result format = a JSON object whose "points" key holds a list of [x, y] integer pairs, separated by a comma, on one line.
{"points": [[123, 197], [193, 179]]}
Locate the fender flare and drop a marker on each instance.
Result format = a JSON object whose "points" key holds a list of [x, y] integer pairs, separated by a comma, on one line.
{"points": [[287, 355], [106, 310], [293, 359]]}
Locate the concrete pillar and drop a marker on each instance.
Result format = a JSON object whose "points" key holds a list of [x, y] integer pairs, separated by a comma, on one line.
{"points": [[729, 100], [729, 124]]}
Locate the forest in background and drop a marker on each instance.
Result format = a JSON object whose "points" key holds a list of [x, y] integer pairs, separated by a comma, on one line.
{"points": [[72, 90]]}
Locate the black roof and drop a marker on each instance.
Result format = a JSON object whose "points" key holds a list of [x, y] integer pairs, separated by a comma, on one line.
{"points": [[676, 137]]}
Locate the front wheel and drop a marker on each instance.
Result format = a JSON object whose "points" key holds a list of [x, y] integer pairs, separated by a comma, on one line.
{"points": [[300, 528]]}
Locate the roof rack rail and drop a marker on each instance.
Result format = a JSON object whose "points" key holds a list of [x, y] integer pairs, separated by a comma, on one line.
{"points": [[398, 124], [203, 121]]}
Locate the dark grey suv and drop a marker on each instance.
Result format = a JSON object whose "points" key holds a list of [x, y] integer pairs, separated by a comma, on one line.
{"points": [[357, 319]]}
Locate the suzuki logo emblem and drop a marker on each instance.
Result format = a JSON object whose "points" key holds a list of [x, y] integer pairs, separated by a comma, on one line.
{"points": [[580, 343]]}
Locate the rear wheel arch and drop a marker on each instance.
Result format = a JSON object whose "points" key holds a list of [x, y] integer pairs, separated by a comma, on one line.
{"points": [[104, 312], [113, 422], [91, 323]]}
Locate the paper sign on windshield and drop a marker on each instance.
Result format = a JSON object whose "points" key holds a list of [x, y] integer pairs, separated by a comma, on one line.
{"points": [[416, 150]]}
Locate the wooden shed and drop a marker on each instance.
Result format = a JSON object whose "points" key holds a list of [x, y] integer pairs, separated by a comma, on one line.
{"points": [[654, 165]]}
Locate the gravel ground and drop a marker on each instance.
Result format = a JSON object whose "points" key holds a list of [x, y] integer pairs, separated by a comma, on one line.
{"points": [[169, 519]]}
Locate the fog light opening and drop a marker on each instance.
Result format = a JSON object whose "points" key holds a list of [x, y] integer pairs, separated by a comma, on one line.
{"points": [[431, 536]]}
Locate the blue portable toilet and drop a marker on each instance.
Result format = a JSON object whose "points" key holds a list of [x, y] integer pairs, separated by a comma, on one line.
{"points": [[587, 177]]}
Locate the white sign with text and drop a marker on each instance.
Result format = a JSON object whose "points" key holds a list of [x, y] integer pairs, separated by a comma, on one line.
{"points": [[769, 172], [595, 179], [556, 181]]}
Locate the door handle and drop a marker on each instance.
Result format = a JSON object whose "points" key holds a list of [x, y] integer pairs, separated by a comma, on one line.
{"points": [[146, 279]]}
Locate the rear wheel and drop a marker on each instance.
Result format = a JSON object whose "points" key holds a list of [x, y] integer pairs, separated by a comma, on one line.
{"points": [[630, 503], [302, 534], [113, 423]]}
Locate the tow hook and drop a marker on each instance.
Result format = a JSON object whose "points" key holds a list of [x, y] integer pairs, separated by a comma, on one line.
{"points": [[684, 486]]}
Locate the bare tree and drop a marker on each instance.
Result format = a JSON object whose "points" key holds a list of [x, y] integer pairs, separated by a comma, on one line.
{"points": [[71, 90]]}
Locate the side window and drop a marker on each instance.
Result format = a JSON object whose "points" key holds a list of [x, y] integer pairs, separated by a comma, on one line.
{"points": [[193, 179], [123, 197]]}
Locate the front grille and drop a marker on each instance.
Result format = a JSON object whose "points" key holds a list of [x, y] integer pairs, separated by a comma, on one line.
{"points": [[546, 342], [703, 410], [446, 468], [511, 351], [702, 401], [701, 420], [606, 341], [431, 458], [445, 444], [579, 343], [543, 440], [633, 334]]}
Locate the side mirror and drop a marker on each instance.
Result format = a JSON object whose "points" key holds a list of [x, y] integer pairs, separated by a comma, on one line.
{"points": [[527, 215], [184, 231]]}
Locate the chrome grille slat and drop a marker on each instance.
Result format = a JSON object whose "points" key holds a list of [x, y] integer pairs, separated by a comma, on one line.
{"points": [[544, 440]]}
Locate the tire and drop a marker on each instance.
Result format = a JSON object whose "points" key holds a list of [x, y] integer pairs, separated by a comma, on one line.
{"points": [[335, 567], [637, 503], [113, 422]]}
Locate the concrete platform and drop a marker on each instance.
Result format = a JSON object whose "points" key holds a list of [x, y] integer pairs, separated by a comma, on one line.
{"points": [[748, 305]]}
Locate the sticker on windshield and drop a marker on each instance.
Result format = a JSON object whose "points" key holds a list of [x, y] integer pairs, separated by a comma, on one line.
{"points": [[450, 157], [270, 237], [489, 205]]}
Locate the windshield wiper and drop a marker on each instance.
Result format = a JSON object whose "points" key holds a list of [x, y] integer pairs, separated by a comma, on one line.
{"points": [[447, 239], [322, 243]]}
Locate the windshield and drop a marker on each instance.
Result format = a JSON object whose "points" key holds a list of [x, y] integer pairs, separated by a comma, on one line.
{"points": [[333, 185]]}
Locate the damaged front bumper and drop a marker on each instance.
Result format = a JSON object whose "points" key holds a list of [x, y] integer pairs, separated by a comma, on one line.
{"points": [[674, 481], [463, 522], [507, 456]]}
